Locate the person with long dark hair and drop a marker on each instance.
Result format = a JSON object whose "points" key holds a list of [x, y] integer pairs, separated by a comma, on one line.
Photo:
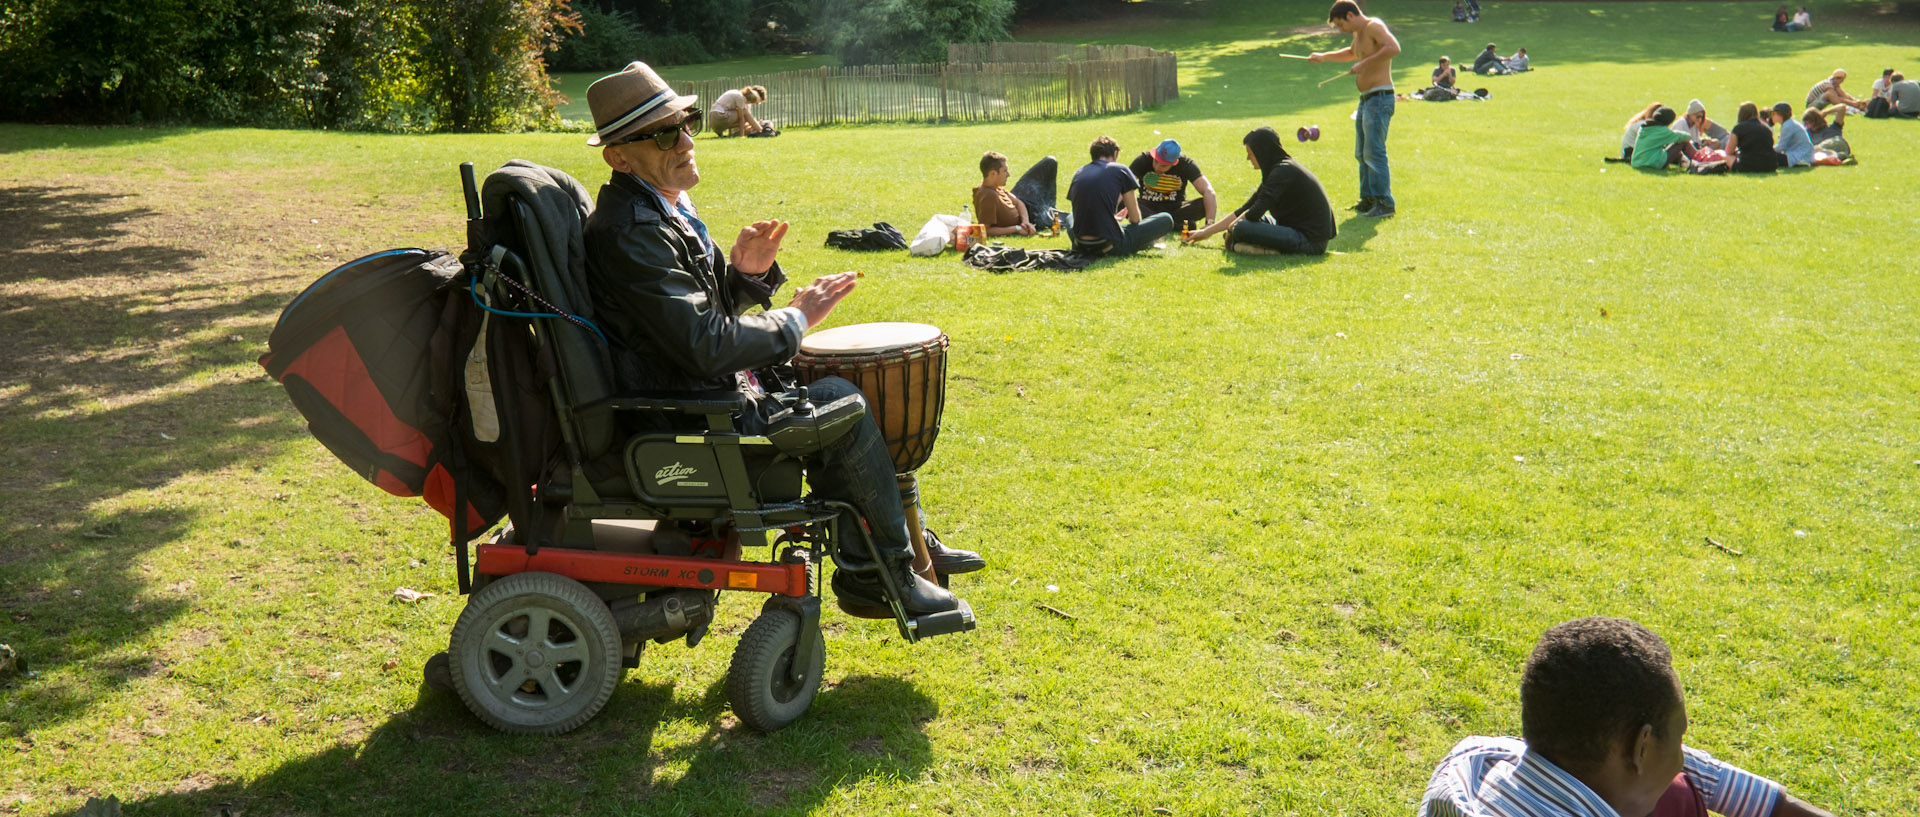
{"points": [[1288, 213]]}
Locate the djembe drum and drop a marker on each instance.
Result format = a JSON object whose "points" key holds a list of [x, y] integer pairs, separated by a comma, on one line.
{"points": [[901, 368]]}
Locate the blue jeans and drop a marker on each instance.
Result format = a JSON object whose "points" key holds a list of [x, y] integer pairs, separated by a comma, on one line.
{"points": [[1036, 189], [1370, 148], [1275, 236], [858, 470], [1137, 237]]}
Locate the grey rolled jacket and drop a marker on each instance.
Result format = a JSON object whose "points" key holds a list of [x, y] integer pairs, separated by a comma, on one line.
{"points": [[674, 309]]}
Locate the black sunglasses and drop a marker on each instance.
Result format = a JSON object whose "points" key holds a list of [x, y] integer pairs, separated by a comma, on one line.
{"points": [[666, 138]]}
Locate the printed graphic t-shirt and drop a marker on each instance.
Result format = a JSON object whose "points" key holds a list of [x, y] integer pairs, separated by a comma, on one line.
{"points": [[1169, 188]]}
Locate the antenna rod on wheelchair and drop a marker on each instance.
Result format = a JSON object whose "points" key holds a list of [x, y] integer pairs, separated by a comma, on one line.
{"points": [[476, 236]]}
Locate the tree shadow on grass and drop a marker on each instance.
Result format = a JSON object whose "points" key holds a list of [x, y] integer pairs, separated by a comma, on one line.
{"points": [[436, 758], [109, 386], [15, 138]]}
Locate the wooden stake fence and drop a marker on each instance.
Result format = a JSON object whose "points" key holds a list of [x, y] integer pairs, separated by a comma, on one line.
{"points": [[979, 82]]}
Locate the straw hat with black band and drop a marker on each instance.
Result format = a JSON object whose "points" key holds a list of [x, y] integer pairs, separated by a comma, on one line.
{"points": [[631, 102]]}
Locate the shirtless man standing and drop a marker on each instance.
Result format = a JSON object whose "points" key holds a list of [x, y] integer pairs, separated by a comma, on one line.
{"points": [[1372, 57]]}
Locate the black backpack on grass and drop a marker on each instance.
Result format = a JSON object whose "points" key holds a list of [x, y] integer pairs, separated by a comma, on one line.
{"points": [[366, 354]]}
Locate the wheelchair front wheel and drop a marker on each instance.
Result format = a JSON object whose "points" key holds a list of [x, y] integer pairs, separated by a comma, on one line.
{"points": [[535, 654], [760, 683]]}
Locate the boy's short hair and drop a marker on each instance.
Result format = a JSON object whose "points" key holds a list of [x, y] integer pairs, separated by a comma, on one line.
{"points": [[1105, 148], [1785, 110], [1591, 682], [991, 161], [1896, 77], [1342, 10], [1662, 115]]}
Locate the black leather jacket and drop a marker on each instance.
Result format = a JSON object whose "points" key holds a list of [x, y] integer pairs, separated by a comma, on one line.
{"points": [[674, 313]]}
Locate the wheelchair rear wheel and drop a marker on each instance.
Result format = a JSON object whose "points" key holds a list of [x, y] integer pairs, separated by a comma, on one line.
{"points": [[535, 654], [760, 683]]}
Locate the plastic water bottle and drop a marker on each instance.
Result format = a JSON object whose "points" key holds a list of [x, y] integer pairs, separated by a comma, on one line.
{"points": [[960, 232]]}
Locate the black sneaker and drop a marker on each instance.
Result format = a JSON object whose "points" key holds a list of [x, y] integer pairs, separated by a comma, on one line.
{"points": [[1379, 211], [1613, 159], [1361, 206]]}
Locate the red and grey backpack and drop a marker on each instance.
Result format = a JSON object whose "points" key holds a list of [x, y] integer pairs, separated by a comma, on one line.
{"points": [[370, 355]]}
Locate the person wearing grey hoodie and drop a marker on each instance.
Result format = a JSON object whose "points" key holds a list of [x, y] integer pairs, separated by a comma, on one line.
{"points": [[1287, 214], [1704, 132]]}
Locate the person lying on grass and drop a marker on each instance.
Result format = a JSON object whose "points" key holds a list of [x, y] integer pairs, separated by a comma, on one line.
{"points": [[1826, 124], [1602, 715], [1288, 213]]}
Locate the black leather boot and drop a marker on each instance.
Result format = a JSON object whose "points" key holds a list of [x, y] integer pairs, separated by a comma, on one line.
{"points": [[860, 596], [952, 560]]}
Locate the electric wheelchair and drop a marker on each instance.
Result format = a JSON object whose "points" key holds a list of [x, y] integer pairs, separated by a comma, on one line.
{"points": [[629, 539]]}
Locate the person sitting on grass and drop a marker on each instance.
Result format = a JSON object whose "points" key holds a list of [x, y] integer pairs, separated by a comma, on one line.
{"points": [[1802, 21], [1793, 144], [1444, 76], [1880, 86], [1751, 142], [1658, 143], [996, 207], [1489, 62], [732, 113], [1102, 193], [1828, 92], [1164, 174], [1781, 18], [1288, 213], [1519, 62], [1602, 717], [1704, 132], [1459, 11], [1826, 124], [1904, 96], [1631, 133]]}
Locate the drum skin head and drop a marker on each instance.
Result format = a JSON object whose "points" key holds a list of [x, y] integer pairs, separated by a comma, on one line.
{"points": [[868, 337]]}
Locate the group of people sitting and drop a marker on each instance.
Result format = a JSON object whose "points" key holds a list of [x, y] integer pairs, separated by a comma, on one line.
{"points": [[1119, 209], [1656, 137], [1490, 63], [1798, 21], [1446, 77], [1466, 12]]}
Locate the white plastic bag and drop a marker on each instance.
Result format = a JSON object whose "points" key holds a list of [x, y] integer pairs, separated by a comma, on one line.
{"points": [[935, 236]]}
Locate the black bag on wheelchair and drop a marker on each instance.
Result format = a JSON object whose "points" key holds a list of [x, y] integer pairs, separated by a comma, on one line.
{"points": [[368, 355]]}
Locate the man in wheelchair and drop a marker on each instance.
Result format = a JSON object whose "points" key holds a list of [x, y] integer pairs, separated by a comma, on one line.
{"points": [[675, 312]]}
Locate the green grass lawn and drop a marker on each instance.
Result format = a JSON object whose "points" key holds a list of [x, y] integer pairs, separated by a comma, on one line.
{"points": [[1308, 515]]}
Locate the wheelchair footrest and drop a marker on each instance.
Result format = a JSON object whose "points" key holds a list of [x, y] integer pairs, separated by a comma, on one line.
{"points": [[951, 621]]}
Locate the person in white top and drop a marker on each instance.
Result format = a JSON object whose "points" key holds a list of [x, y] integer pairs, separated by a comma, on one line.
{"points": [[732, 113]]}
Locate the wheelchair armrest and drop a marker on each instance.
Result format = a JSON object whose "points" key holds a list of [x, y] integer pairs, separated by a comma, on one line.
{"points": [[696, 403], [807, 428]]}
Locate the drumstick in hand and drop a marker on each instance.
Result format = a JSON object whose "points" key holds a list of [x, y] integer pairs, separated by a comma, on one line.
{"points": [[1323, 83]]}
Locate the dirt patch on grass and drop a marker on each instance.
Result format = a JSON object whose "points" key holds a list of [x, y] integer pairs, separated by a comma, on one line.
{"points": [[773, 788]]}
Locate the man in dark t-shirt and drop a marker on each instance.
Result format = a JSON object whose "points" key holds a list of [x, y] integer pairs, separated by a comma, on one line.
{"points": [[1100, 193], [1164, 175]]}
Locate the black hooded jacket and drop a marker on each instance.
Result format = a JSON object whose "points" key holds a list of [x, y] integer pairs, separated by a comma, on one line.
{"points": [[1288, 192]]}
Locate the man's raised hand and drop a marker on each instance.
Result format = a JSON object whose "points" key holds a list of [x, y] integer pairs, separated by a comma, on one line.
{"points": [[758, 244], [817, 299]]}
